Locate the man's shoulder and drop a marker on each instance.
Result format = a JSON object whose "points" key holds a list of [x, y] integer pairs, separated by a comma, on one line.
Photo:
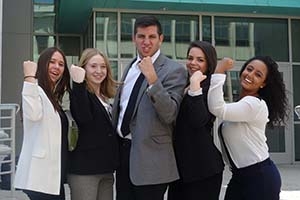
{"points": [[168, 61]]}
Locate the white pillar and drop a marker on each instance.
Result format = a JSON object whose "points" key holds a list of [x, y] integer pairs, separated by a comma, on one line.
{"points": [[173, 38], [192, 30], [251, 39]]}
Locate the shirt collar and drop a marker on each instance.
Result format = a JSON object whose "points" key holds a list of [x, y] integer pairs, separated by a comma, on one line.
{"points": [[153, 58]]}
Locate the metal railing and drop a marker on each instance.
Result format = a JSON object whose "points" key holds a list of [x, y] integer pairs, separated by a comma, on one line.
{"points": [[7, 142]]}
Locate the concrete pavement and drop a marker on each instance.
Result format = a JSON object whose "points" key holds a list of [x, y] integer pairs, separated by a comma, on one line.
{"points": [[290, 175]]}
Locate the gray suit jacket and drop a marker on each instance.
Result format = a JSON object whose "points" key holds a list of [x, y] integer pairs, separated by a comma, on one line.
{"points": [[152, 159]]}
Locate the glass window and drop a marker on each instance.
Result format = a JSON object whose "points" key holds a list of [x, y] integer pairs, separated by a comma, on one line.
{"points": [[114, 67], [297, 143], [276, 139], [127, 49], [206, 28], [178, 31], [242, 38], [88, 35], [44, 16], [41, 42], [70, 45], [296, 91], [296, 40], [232, 86], [106, 33]]}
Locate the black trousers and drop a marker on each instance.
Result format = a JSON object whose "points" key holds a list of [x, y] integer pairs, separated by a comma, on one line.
{"points": [[206, 189], [124, 187], [33, 195], [260, 181]]}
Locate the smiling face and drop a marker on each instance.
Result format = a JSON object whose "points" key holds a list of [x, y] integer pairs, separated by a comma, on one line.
{"points": [[253, 77], [56, 67], [96, 71], [147, 40], [196, 61]]}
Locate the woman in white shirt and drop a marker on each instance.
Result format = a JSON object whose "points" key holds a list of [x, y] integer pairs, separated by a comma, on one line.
{"points": [[262, 102], [42, 165]]}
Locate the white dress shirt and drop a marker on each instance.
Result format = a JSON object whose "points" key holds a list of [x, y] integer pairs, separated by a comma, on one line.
{"points": [[129, 82]]}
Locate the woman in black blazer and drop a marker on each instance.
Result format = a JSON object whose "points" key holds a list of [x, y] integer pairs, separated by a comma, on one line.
{"points": [[199, 162], [95, 158]]}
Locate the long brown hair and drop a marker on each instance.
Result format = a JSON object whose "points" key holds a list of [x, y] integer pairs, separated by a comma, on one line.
{"points": [[108, 86], [54, 93]]}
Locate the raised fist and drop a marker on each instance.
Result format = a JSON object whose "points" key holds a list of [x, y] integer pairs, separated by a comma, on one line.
{"points": [[195, 80], [224, 65], [77, 73], [29, 68]]}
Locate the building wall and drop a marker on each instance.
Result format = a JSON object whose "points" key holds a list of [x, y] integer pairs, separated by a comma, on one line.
{"points": [[16, 47]]}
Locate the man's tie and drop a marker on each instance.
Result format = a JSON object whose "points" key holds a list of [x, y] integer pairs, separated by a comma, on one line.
{"points": [[131, 104]]}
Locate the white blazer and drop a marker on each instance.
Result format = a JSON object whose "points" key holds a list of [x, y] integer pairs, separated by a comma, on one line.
{"points": [[39, 166]]}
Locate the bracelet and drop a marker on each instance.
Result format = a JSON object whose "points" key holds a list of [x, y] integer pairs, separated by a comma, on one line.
{"points": [[29, 76]]}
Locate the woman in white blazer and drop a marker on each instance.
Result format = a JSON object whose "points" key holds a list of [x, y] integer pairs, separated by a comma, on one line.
{"points": [[42, 165]]}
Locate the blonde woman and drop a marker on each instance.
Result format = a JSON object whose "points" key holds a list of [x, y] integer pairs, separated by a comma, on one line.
{"points": [[95, 157]]}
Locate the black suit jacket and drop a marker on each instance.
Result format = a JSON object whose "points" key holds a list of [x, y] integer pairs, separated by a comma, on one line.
{"points": [[97, 150], [196, 155]]}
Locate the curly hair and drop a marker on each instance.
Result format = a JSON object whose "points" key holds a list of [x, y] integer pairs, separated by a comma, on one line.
{"points": [[274, 92]]}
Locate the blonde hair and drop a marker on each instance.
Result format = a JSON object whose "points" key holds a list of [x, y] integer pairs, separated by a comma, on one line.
{"points": [[109, 85]]}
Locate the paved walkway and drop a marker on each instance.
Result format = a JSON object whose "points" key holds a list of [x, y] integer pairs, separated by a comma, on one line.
{"points": [[290, 175]]}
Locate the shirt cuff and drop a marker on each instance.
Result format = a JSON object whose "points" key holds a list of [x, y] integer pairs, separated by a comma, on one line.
{"points": [[195, 93]]}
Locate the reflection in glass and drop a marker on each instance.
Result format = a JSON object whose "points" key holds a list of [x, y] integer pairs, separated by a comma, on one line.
{"points": [[206, 28], [88, 37], [296, 40], [114, 67], [276, 139], [41, 42], [44, 16], [297, 111], [297, 141], [106, 33], [242, 38], [70, 45], [296, 91]]}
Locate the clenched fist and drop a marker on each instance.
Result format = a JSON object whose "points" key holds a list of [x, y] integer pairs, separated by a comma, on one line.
{"points": [[77, 73], [224, 65], [29, 68], [196, 79]]}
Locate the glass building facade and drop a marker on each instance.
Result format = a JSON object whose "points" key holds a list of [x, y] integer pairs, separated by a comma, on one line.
{"points": [[234, 35]]}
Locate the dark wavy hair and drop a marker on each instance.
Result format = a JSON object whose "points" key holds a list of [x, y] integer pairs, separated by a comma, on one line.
{"points": [[54, 92], [274, 92], [209, 52]]}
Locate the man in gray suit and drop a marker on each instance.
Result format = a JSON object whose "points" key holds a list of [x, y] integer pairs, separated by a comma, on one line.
{"points": [[147, 161]]}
